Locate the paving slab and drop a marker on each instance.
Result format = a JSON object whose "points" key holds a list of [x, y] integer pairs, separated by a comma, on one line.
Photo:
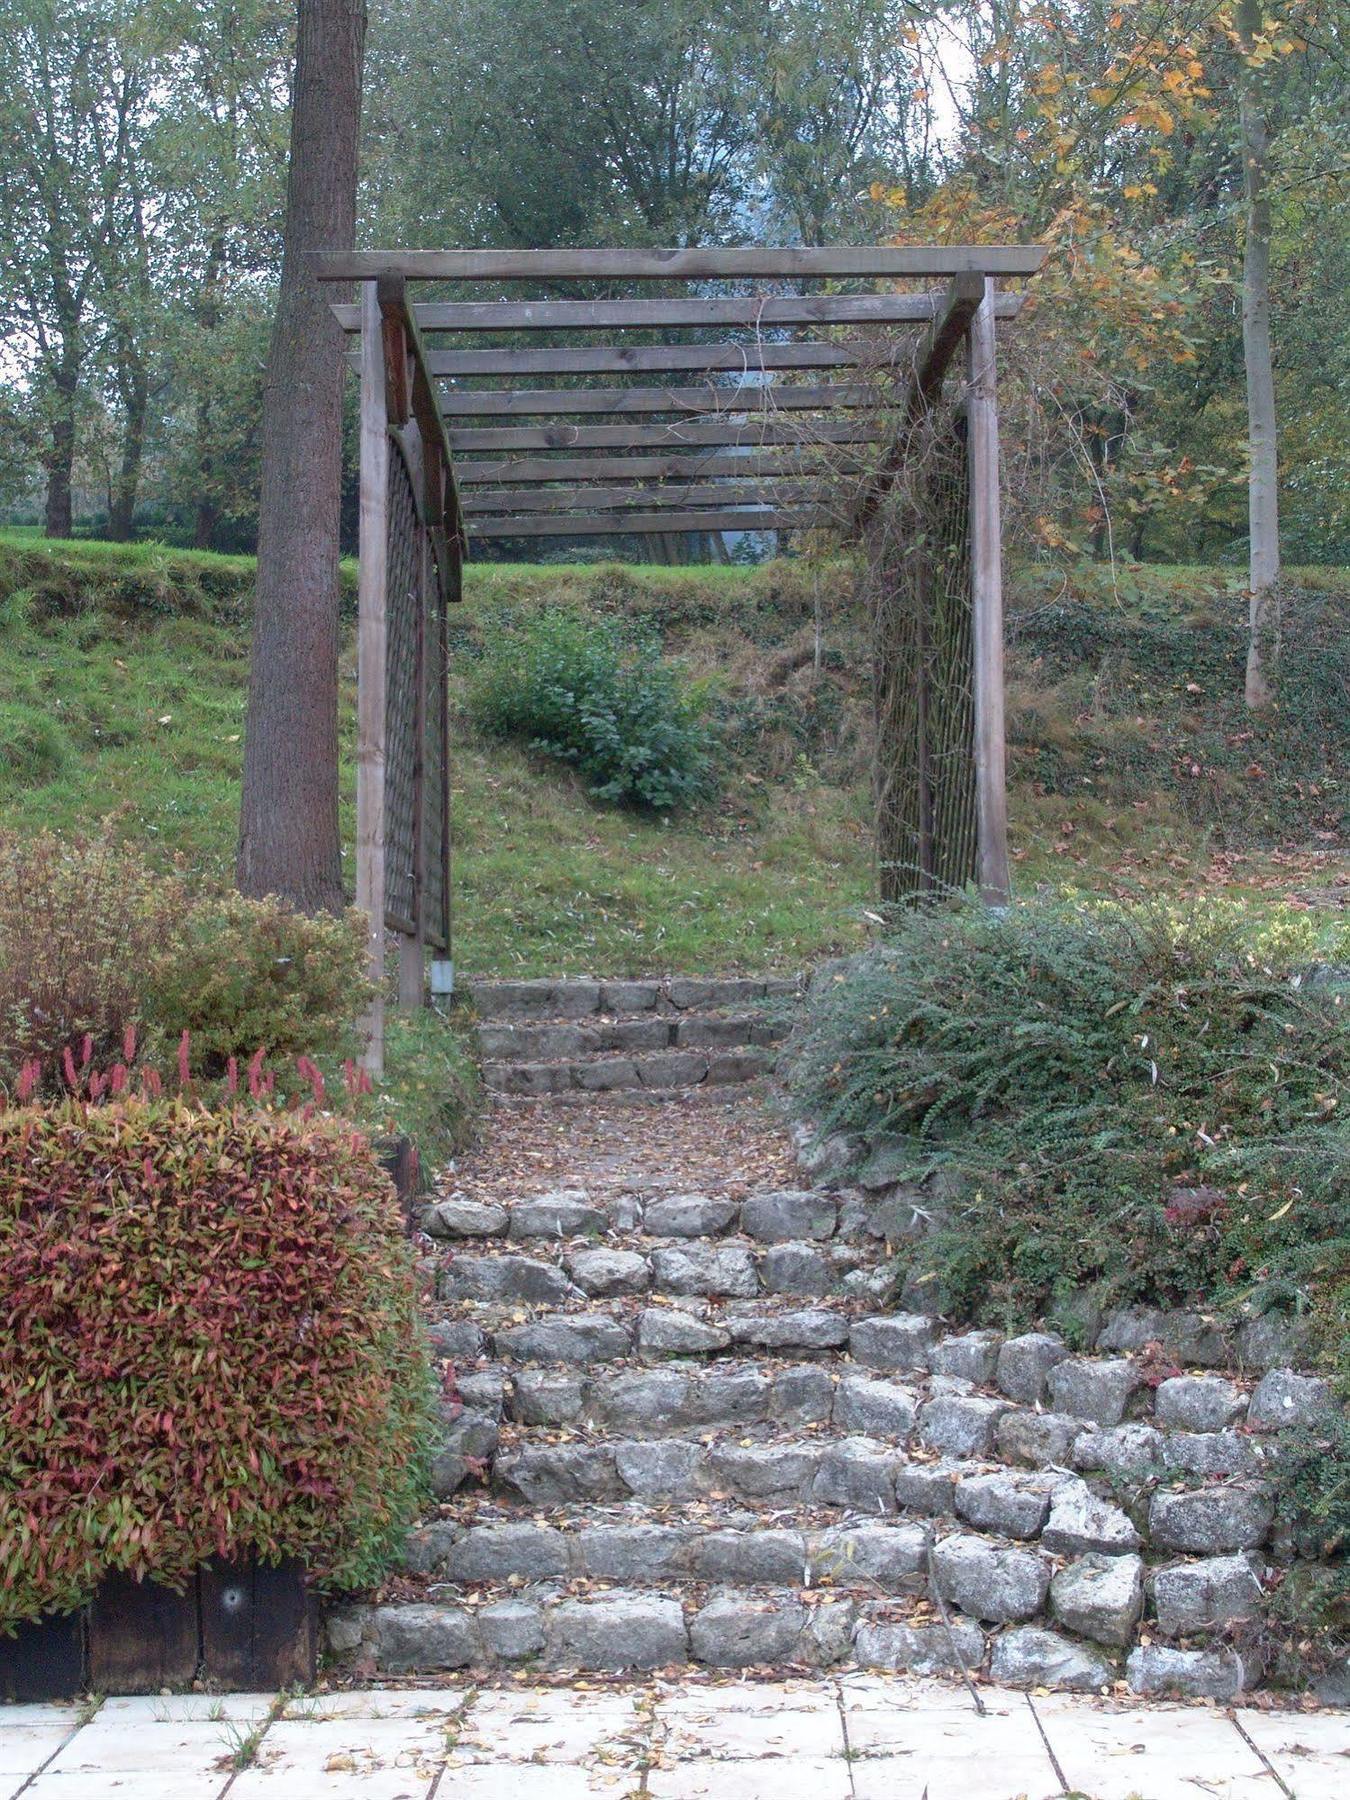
{"points": [[551, 1726], [344, 1759], [801, 1725], [789, 1778], [531, 1781], [177, 1709], [139, 1745], [30, 1734], [950, 1753], [1157, 1752], [432, 1705], [130, 1784], [1309, 1752]]}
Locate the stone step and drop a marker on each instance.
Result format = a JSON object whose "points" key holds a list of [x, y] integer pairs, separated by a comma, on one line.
{"points": [[549, 998], [1027, 1625], [661, 1071], [731, 1269], [779, 1216], [559, 1039], [645, 1546]]}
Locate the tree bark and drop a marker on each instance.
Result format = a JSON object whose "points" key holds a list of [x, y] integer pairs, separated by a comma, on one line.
{"points": [[1263, 514], [60, 464], [134, 384], [288, 825]]}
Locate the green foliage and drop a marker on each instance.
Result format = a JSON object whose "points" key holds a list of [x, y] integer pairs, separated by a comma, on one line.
{"points": [[1311, 1479], [589, 692], [95, 943], [279, 1408], [81, 922], [1131, 1104], [241, 975]]}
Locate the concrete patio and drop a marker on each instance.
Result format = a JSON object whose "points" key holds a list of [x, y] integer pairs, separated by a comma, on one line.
{"points": [[847, 1738]]}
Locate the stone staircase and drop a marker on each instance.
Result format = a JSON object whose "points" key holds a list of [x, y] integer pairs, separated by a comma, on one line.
{"points": [[692, 1428], [642, 1038]]}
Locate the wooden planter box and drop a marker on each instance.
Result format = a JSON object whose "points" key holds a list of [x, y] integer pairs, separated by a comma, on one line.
{"points": [[245, 1626]]}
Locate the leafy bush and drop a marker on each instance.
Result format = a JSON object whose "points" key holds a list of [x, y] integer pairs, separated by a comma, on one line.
{"points": [[239, 975], [95, 944], [588, 692], [1131, 1104], [80, 923], [277, 1407]]}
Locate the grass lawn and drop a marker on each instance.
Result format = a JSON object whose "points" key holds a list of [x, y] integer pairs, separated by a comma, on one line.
{"points": [[122, 689]]}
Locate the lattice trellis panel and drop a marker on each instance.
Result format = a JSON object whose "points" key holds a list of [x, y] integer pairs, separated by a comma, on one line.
{"points": [[416, 751], [919, 581]]}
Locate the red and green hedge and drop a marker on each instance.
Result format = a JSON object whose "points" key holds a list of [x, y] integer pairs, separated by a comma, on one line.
{"points": [[208, 1345]]}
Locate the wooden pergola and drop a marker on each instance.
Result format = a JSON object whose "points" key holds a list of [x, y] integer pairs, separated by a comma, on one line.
{"points": [[730, 401]]}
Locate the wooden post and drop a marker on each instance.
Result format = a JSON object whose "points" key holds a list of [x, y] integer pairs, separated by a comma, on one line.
{"points": [[986, 571], [371, 661]]}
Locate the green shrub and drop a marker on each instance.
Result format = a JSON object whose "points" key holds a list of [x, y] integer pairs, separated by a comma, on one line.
{"points": [[81, 920], [1131, 1104], [241, 975], [590, 693], [212, 1348]]}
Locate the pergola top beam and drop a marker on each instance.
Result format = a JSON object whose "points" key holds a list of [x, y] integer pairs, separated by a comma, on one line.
{"points": [[839, 261], [747, 397]]}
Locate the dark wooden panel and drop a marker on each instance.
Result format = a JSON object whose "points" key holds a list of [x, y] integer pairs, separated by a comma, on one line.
{"points": [[751, 262], [748, 397], [749, 310], [43, 1661], [601, 524], [686, 466], [696, 431], [142, 1637], [259, 1628]]}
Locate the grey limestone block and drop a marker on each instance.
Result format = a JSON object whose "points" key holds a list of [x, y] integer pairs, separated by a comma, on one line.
{"points": [[721, 1269], [669, 1331], [617, 1631], [632, 1552], [558, 1473], [856, 1473], [506, 1279], [900, 1341], [1100, 1597], [1133, 1451], [1210, 1520], [574, 1338], [919, 1649], [735, 1630], [600, 1273], [989, 1581], [1207, 1595], [961, 1425], [1014, 1506], [415, 1639], [750, 1558], [1199, 1403], [688, 1216], [894, 1556], [802, 1395], [789, 1215], [456, 1218], [1081, 1521], [1033, 1657], [1282, 1398], [1038, 1438], [811, 1328], [874, 1407], [660, 1468], [972, 1355], [496, 1552], [512, 1630], [1024, 1363], [1094, 1388], [1156, 1669]]}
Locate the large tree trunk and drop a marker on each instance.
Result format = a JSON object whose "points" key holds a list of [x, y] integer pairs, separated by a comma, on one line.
{"points": [[134, 383], [288, 823], [1263, 504], [59, 461], [60, 466]]}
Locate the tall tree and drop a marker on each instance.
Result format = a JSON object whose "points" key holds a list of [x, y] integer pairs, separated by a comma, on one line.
{"points": [[1263, 491], [72, 87], [288, 828]]}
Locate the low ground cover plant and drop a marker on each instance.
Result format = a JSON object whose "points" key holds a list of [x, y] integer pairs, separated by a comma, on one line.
{"points": [[595, 692], [1126, 1104], [212, 1347]]}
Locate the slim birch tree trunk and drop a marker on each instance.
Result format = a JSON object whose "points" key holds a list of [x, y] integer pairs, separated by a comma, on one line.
{"points": [[1263, 502]]}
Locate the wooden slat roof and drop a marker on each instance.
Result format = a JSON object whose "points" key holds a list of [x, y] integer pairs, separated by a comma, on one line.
{"points": [[756, 450]]}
